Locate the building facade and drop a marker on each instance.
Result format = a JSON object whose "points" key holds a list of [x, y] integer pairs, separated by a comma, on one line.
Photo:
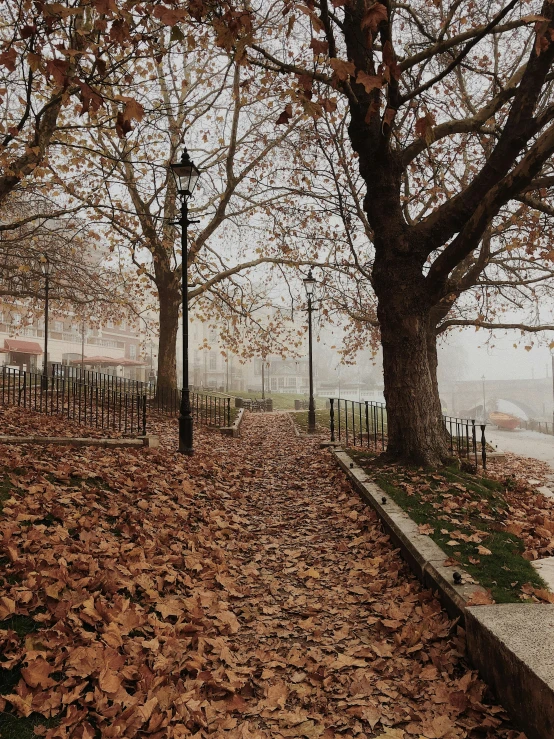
{"points": [[111, 347]]}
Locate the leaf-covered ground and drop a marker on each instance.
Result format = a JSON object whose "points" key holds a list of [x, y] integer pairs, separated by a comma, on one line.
{"points": [[487, 526], [244, 593]]}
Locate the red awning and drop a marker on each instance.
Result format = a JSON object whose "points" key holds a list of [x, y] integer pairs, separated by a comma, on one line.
{"points": [[24, 347]]}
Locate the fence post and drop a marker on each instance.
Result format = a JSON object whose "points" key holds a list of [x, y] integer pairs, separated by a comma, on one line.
{"points": [[474, 437], [144, 415], [332, 417], [483, 446]]}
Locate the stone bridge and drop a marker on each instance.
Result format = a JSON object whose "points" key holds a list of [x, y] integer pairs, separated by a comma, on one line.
{"points": [[465, 398]]}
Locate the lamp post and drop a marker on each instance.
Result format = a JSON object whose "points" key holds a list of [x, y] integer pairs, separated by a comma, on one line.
{"points": [[45, 266], [263, 377], [309, 284], [484, 401], [186, 176]]}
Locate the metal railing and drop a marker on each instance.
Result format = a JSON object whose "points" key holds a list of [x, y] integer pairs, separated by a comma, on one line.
{"points": [[91, 405], [103, 379], [365, 424], [208, 410], [354, 421], [543, 427], [465, 437]]}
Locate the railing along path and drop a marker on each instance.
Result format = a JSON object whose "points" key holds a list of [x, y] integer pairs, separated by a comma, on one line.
{"points": [[364, 423]]}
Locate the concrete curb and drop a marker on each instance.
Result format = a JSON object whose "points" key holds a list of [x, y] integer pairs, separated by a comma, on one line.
{"points": [[295, 428], [149, 441], [425, 557], [234, 429], [511, 644], [512, 647]]}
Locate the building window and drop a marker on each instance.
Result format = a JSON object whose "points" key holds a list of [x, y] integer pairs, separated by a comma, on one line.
{"points": [[16, 319], [58, 325], [281, 382], [133, 351], [213, 361], [291, 381], [274, 383], [110, 324]]}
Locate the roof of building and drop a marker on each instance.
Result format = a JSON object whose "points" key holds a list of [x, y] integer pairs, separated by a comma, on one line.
{"points": [[24, 347]]}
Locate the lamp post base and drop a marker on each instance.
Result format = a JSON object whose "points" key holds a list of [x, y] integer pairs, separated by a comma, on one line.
{"points": [[185, 435], [311, 421]]}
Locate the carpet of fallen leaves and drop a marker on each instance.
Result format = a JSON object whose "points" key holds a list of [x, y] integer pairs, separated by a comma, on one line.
{"points": [[530, 514], [19, 421], [244, 593]]}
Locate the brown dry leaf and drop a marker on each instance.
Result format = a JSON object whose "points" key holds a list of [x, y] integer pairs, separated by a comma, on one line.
{"points": [[109, 681], [426, 529], [342, 69], [374, 16], [7, 607], [37, 673], [480, 598], [483, 550]]}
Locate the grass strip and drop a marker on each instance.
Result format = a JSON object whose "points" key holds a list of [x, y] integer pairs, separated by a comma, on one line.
{"points": [[466, 515]]}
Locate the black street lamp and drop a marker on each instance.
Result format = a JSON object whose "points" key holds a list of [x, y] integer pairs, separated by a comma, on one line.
{"points": [[309, 284], [45, 266], [186, 176]]}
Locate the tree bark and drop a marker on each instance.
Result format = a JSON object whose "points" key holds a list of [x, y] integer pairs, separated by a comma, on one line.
{"points": [[170, 301], [408, 336]]}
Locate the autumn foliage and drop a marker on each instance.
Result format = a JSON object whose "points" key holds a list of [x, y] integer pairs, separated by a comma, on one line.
{"points": [[245, 592]]}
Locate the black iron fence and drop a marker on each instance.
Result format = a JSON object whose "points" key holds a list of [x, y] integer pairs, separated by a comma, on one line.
{"points": [[543, 427], [365, 424], [94, 406], [208, 410], [466, 438], [103, 379]]}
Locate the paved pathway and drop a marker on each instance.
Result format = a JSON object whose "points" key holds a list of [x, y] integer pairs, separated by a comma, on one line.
{"points": [[241, 593], [526, 443], [341, 639]]}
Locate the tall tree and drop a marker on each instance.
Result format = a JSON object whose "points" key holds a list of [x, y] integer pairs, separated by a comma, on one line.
{"points": [[52, 55], [430, 87], [185, 91]]}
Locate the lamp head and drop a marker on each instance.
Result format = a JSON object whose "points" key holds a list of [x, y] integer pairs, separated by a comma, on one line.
{"points": [[45, 265], [309, 284], [186, 174]]}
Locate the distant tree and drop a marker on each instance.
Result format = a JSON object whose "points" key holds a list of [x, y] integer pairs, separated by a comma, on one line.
{"points": [[224, 113], [81, 276]]}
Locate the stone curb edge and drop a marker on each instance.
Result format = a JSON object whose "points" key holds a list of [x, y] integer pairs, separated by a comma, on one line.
{"points": [[295, 428], [425, 558], [142, 441], [508, 664], [234, 429]]}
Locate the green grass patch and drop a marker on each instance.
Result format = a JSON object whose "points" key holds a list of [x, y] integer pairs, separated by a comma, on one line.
{"points": [[14, 727], [281, 401], [300, 418], [465, 511]]}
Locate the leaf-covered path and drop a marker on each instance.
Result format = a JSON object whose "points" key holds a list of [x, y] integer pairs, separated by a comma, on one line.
{"points": [[242, 593]]}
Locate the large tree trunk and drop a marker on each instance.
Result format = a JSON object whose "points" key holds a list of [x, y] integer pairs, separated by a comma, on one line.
{"points": [[169, 298], [416, 433]]}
